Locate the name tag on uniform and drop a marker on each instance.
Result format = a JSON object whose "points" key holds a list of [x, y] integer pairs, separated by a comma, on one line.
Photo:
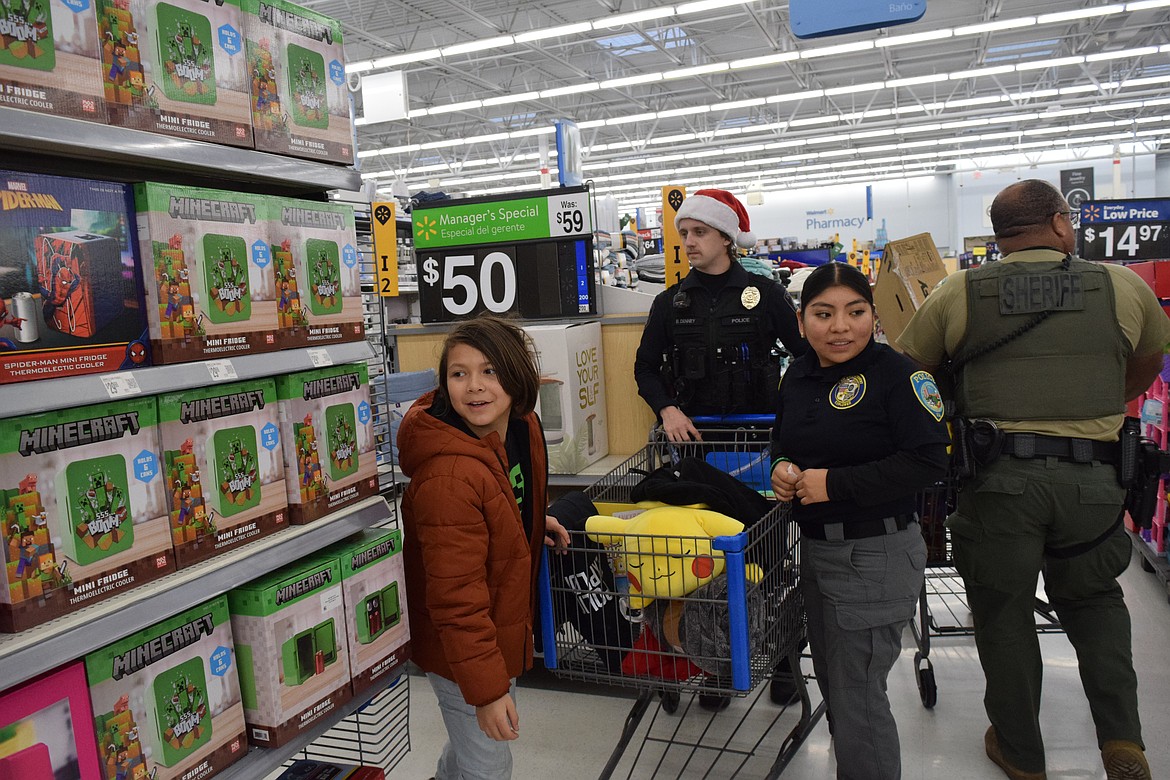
{"points": [[1034, 293]]}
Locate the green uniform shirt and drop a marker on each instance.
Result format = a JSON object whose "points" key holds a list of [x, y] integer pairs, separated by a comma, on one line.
{"points": [[937, 329]]}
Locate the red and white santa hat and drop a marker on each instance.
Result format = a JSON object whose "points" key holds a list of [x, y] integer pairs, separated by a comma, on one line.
{"points": [[722, 211]]}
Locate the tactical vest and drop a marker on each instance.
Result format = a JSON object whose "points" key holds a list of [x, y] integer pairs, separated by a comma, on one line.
{"points": [[1076, 348], [722, 360]]}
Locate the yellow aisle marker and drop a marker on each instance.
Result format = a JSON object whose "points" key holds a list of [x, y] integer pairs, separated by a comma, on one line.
{"points": [[677, 265], [385, 247]]}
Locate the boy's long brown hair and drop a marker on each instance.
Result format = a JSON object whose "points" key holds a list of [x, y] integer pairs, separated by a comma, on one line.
{"points": [[508, 348]]}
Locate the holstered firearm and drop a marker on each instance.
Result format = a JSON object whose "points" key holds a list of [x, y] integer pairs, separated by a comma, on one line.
{"points": [[1141, 468]]}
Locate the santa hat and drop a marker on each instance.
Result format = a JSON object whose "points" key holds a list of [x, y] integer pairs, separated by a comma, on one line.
{"points": [[722, 211]]}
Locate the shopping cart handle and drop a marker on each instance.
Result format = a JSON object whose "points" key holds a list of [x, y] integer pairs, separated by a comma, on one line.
{"points": [[734, 419]]}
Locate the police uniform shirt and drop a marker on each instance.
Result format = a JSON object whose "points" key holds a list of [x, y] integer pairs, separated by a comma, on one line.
{"points": [[875, 422], [778, 311], [938, 327]]}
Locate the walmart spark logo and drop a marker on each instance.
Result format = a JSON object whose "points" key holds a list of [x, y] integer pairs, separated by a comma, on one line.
{"points": [[426, 228], [1090, 213]]}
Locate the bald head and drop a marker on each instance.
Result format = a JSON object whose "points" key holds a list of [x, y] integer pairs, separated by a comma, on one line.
{"points": [[1031, 213]]}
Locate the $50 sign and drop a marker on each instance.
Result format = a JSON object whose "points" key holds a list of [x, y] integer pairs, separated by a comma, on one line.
{"points": [[463, 281]]}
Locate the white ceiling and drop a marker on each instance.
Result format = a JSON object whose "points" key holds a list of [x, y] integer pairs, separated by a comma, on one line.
{"points": [[711, 112]]}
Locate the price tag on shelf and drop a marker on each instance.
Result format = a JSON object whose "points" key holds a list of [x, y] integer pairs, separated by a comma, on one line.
{"points": [[121, 384], [221, 370], [320, 357]]}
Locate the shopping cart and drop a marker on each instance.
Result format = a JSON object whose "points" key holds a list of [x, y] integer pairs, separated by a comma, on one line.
{"points": [[942, 607], [722, 639]]}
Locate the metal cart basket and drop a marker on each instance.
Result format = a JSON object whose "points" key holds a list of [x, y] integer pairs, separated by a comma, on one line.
{"points": [[942, 607], [720, 640]]}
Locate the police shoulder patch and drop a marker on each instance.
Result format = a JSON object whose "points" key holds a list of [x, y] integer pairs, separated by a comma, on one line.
{"points": [[848, 392], [926, 391]]}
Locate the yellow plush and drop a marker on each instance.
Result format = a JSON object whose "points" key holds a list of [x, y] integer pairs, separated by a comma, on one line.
{"points": [[667, 550]]}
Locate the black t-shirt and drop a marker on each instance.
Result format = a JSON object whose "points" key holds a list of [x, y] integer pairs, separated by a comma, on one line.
{"points": [[874, 421]]}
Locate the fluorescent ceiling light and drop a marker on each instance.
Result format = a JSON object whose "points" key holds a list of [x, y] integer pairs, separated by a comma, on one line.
{"points": [[554, 32], [699, 70], [898, 40], [976, 101], [729, 131], [447, 109], [480, 45], [707, 5], [1078, 89], [1056, 62], [572, 89], [403, 59], [683, 111], [811, 121], [444, 144], [622, 120], [830, 51], [1115, 55], [1003, 24], [1145, 5], [737, 104], [634, 18], [976, 72], [1081, 13], [911, 81], [855, 88], [417, 112], [768, 59], [644, 78], [518, 98], [1034, 94], [673, 139], [532, 131], [808, 93]]}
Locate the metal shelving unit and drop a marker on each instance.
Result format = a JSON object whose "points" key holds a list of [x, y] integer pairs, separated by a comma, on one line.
{"points": [[47, 646], [46, 394], [120, 153], [1152, 561]]}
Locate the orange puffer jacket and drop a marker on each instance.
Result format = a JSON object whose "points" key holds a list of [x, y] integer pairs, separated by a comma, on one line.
{"points": [[470, 571]]}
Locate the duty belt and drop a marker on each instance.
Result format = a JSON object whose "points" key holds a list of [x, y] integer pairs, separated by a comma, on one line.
{"points": [[1034, 445], [861, 529]]}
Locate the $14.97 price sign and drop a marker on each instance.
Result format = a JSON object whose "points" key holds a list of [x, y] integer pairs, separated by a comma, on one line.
{"points": [[1125, 230], [529, 253]]}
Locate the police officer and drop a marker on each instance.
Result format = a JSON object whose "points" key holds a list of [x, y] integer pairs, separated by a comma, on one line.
{"points": [[1045, 350], [709, 345], [858, 433]]}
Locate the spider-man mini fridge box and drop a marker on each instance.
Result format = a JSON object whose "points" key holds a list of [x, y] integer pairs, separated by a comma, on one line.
{"points": [[72, 298]]}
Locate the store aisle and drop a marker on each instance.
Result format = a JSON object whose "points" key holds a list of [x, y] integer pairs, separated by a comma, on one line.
{"points": [[568, 735]]}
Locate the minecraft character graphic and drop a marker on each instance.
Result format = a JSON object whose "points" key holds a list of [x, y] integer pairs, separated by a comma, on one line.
{"points": [[27, 566], [8, 318], [29, 484]]}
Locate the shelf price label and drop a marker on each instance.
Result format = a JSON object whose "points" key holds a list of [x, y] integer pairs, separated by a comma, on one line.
{"points": [[1125, 230], [462, 282], [221, 370], [503, 220], [385, 247], [121, 384]]}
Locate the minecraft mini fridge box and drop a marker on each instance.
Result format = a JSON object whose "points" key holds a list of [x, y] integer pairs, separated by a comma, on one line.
{"points": [[222, 467], [166, 699], [71, 289], [83, 506], [300, 100], [175, 67], [49, 55], [210, 283], [291, 642], [318, 243], [373, 582], [327, 431], [46, 728]]}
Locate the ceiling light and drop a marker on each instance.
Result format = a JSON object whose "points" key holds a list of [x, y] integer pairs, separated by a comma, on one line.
{"points": [[1080, 88], [1114, 55], [855, 88], [909, 82], [898, 40], [1145, 5], [502, 99], [808, 93], [1003, 24], [1034, 94], [673, 139], [417, 112], [682, 111], [729, 131], [634, 18], [554, 32], [699, 70], [1081, 13], [737, 104], [976, 72], [707, 5], [622, 120], [591, 123], [811, 121], [572, 89], [447, 109], [768, 59], [644, 78], [443, 144], [1056, 62], [977, 101], [830, 51], [532, 131], [480, 45]]}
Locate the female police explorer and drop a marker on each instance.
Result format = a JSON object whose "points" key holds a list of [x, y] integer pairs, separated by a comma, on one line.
{"points": [[858, 432]]}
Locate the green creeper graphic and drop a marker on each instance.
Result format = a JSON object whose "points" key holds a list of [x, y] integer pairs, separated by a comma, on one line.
{"points": [[28, 33], [187, 62], [324, 262], [184, 720], [237, 472], [341, 434], [97, 496], [225, 273], [306, 84]]}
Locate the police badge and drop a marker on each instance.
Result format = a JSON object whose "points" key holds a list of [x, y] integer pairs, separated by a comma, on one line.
{"points": [[750, 298]]}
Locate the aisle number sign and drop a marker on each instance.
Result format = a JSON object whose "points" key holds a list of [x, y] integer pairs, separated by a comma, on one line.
{"points": [[385, 247], [677, 265], [1125, 230], [528, 253]]}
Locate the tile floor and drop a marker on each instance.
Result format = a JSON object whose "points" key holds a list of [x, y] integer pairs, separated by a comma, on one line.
{"points": [[568, 731]]}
